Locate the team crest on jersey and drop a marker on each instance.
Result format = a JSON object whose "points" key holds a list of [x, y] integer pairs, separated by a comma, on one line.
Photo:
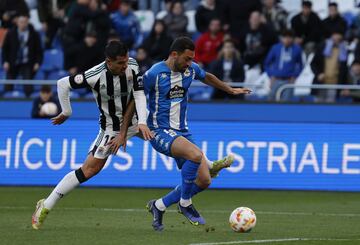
{"points": [[176, 93], [187, 72], [163, 75], [78, 79]]}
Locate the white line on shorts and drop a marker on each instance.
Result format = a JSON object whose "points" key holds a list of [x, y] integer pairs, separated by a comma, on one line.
{"points": [[274, 240]]}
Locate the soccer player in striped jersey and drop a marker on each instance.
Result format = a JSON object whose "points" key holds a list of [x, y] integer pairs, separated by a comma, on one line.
{"points": [[167, 84], [117, 87]]}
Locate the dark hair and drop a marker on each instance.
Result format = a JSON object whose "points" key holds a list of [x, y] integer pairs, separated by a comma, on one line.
{"points": [[307, 4], [115, 48], [287, 33], [355, 62], [173, 5], [161, 22], [333, 4], [180, 44], [45, 88]]}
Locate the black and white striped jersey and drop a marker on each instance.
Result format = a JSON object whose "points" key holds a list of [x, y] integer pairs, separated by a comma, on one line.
{"points": [[112, 93]]}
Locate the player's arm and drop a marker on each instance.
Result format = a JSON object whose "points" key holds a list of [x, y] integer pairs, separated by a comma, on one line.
{"points": [[212, 80], [140, 104], [120, 139], [64, 85], [63, 89]]}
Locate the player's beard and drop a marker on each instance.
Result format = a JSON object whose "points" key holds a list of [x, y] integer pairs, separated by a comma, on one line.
{"points": [[179, 68]]}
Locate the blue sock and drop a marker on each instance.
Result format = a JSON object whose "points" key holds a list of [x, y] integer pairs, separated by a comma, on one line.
{"points": [[188, 174], [174, 196]]}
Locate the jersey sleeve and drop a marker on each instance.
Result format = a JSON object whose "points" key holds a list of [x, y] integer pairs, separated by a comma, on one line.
{"points": [[78, 81], [149, 80], [92, 75], [199, 72]]}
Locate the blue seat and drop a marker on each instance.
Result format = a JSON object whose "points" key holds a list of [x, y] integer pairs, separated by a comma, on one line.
{"points": [[53, 60], [16, 94], [344, 100], [200, 93], [34, 95], [40, 75], [56, 75], [255, 98]]}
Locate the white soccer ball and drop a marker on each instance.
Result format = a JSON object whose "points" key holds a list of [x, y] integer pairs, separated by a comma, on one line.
{"points": [[49, 109], [242, 219]]}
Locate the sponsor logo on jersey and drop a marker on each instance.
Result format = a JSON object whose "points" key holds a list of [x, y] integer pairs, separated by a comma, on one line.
{"points": [[176, 92], [187, 73]]}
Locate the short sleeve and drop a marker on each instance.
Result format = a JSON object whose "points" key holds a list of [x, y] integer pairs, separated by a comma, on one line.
{"points": [[199, 72], [148, 80], [92, 75]]}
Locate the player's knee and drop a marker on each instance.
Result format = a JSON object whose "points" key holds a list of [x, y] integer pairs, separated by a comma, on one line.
{"points": [[91, 171], [196, 156], [205, 183]]}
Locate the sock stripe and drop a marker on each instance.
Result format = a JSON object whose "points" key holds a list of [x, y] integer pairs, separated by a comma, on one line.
{"points": [[80, 175]]}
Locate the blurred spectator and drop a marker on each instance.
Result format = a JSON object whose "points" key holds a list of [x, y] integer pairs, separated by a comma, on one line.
{"points": [[329, 65], [207, 46], [143, 60], [235, 15], [256, 40], [46, 105], [176, 21], [126, 24], [353, 79], [99, 22], [334, 21], [112, 5], [229, 68], [158, 42], [22, 53], [51, 16], [10, 9], [307, 27], [87, 54], [74, 30], [163, 13], [205, 12], [275, 15], [357, 51], [283, 64]]}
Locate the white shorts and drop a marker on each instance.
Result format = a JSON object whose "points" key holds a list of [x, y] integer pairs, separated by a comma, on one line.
{"points": [[99, 150]]}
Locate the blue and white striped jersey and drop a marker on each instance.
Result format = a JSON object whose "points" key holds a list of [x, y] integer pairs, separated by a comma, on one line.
{"points": [[168, 98]]}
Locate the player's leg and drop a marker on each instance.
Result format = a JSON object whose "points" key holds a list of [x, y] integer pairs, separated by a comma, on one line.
{"points": [[94, 162], [70, 181], [183, 148]]}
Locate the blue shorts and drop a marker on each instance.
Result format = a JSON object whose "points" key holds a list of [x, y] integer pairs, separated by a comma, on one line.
{"points": [[163, 139]]}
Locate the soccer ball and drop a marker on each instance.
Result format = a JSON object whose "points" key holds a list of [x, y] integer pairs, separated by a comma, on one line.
{"points": [[49, 109], [242, 219]]}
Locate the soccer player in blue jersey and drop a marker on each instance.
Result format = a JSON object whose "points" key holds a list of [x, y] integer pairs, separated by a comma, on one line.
{"points": [[166, 84]]}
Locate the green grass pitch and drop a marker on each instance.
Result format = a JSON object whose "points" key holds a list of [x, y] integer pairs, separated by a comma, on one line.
{"points": [[117, 216]]}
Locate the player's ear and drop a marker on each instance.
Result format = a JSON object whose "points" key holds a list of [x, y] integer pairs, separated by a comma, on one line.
{"points": [[174, 54], [108, 61]]}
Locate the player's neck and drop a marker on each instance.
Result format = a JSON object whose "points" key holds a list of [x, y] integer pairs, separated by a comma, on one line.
{"points": [[170, 64]]}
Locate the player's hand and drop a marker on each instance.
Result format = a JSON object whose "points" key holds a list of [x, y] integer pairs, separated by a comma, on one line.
{"points": [[59, 119], [145, 131], [116, 143], [237, 91]]}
